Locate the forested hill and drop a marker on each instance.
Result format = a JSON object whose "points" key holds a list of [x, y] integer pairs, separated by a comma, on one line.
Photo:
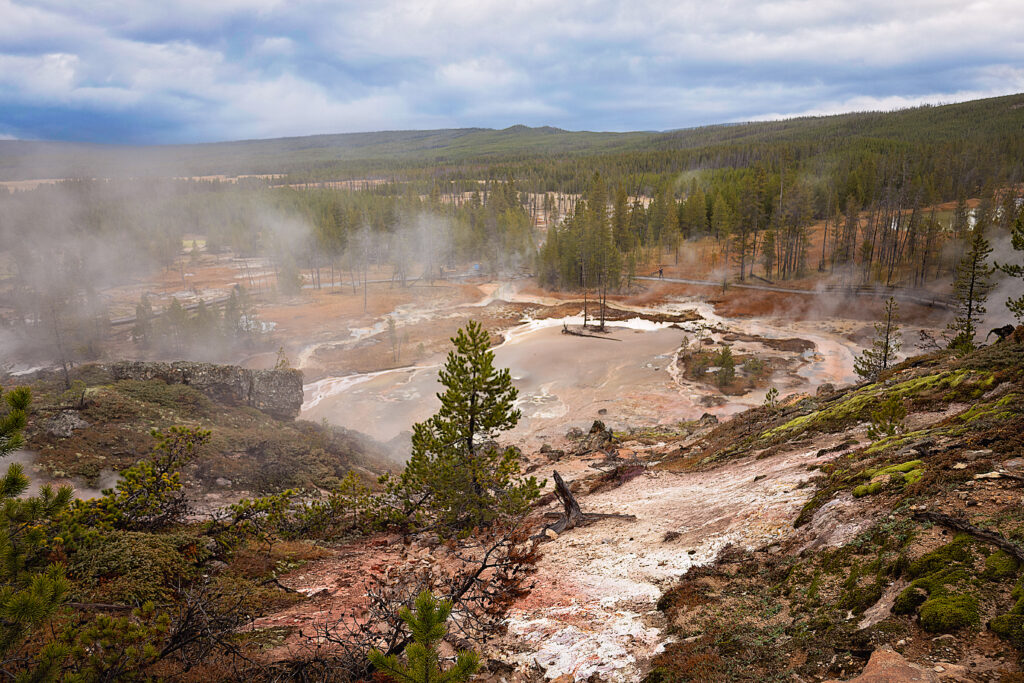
{"points": [[377, 152], [995, 124]]}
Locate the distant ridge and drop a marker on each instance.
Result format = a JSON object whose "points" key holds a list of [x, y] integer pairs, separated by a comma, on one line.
{"points": [[384, 151]]}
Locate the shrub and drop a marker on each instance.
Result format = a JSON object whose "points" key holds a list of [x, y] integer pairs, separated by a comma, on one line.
{"points": [[150, 495], [888, 419], [349, 507], [133, 567]]}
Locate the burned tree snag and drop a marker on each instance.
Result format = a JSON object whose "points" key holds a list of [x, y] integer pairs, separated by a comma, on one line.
{"points": [[572, 516]]}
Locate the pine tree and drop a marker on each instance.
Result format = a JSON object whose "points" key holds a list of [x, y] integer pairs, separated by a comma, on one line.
{"points": [[971, 287], [768, 253], [1016, 305], [174, 326], [31, 589], [14, 421], [454, 471], [726, 367], [722, 221], [142, 332], [428, 626], [882, 354]]}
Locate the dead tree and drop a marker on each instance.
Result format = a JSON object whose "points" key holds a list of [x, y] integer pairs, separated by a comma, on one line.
{"points": [[572, 515]]}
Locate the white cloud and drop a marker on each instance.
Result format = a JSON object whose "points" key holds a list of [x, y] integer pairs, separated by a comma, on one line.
{"points": [[1003, 80], [233, 68]]}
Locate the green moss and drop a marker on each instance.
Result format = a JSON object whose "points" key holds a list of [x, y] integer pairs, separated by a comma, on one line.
{"points": [[867, 489], [904, 473], [894, 469], [1009, 627], [909, 599], [1000, 565], [857, 406], [790, 426], [942, 559], [893, 442], [912, 477], [859, 598], [950, 565], [948, 613]]}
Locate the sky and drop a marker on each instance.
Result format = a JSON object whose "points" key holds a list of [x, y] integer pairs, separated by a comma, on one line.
{"points": [[179, 71]]}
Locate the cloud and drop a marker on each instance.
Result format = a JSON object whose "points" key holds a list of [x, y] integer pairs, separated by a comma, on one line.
{"points": [[194, 70]]}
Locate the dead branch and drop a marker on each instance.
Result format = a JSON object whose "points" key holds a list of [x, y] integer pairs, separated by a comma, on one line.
{"points": [[960, 524], [1013, 477]]}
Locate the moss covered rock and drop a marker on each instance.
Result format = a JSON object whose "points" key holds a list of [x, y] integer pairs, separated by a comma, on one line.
{"points": [[909, 599], [957, 552], [1000, 565], [948, 613]]}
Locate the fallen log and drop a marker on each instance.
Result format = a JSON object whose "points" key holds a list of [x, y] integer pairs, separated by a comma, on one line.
{"points": [[575, 333], [960, 524], [572, 515]]}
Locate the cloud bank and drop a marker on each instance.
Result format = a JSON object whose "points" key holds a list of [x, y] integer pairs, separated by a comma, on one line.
{"points": [[195, 70]]}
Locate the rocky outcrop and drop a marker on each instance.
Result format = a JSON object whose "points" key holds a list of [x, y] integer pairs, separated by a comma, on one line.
{"points": [[597, 439], [888, 666], [275, 392], [65, 423]]}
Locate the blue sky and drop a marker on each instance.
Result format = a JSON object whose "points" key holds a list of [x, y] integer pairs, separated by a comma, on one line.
{"points": [[168, 71]]}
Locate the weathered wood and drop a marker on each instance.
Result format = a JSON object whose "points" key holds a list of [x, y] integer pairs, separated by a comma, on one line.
{"points": [[568, 330], [1013, 477], [592, 516], [960, 524], [572, 515]]}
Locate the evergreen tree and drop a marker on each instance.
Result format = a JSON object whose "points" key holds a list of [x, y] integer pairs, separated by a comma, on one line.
{"points": [[174, 326], [142, 332], [203, 326], [882, 354], [31, 588], [14, 421], [454, 471], [428, 626], [768, 253], [1015, 304], [971, 287], [722, 224], [233, 323], [726, 366]]}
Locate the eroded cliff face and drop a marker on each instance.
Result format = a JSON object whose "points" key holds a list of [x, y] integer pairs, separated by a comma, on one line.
{"points": [[275, 392]]}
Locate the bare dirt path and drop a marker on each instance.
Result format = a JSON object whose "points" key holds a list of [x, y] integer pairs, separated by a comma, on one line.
{"points": [[593, 610]]}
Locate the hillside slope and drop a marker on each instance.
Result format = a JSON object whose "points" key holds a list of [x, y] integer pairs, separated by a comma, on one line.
{"points": [[989, 122], [103, 426], [877, 558]]}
